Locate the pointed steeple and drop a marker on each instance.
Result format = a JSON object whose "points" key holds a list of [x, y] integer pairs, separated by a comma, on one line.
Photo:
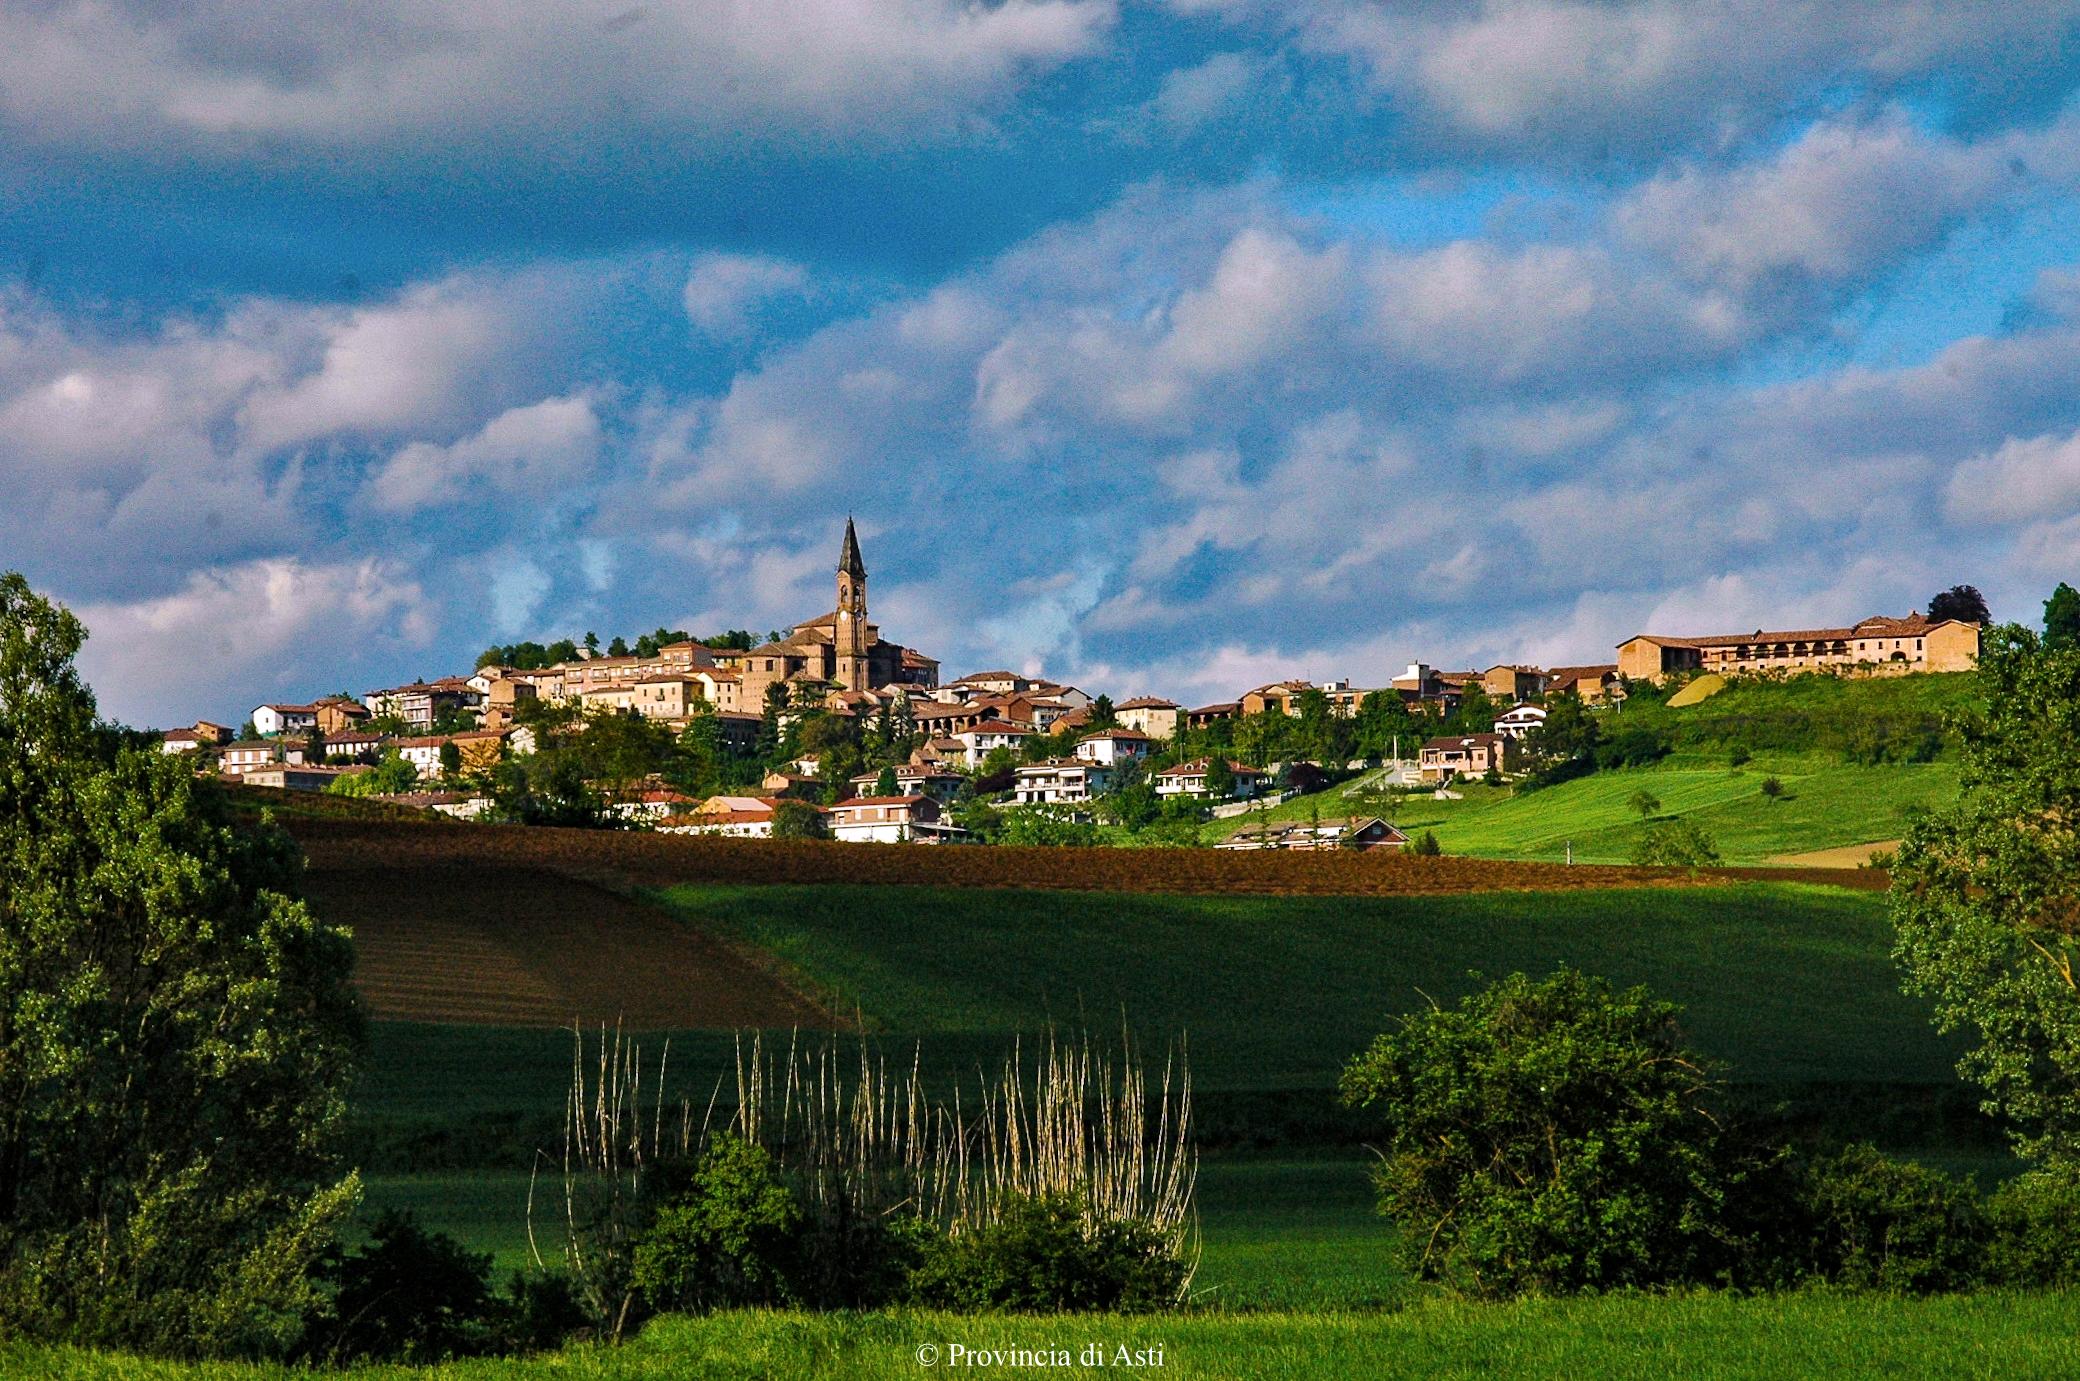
{"points": [[849, 562]]}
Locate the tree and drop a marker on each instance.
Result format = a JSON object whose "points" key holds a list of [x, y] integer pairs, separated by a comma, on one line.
{"points": [[592, 643], [1960, 602], [1220, 779], [797, 820], [1675, 844], [391, 774], [451, 760], [1102, 716], [885, 784], [1644, 803], [1773, 788], [2062, 617], [176, 1035], [1985, 893], [1546, 1135]]}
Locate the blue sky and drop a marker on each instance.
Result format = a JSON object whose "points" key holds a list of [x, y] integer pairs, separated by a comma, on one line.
{"points": [[1160, 345]]}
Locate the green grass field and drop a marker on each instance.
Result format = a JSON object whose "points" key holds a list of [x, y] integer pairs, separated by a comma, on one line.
{"points": [[1783, 982], [1617, 1336], [1826, 804]]}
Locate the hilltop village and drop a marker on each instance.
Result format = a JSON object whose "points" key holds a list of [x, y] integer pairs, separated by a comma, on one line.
{"points": [[829, 729]]}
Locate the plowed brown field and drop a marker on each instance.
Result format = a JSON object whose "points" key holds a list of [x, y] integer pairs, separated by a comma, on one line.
{"points": [[487, 943], [655, 860]]}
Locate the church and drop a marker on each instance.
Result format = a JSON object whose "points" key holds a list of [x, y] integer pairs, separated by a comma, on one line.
{"points": [[841, 649]]}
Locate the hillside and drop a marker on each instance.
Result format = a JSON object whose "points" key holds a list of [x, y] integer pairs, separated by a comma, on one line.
{"points": [[1857, 761]]}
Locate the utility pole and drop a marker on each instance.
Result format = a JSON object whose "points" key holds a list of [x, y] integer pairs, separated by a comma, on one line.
{"points": [[1570, 853]]}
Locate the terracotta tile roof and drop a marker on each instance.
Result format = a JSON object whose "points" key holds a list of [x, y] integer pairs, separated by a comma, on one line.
{"points": [[996, 726], [880, 801], [1147, 702], [1197, 767], [1130, 735]]}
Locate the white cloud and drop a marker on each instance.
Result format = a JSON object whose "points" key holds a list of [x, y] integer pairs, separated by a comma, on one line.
{"points": [[1638, 77], [1844, 201], [231, 637], [2023, 479], [722, 290], [225, 75], [541, 450]]}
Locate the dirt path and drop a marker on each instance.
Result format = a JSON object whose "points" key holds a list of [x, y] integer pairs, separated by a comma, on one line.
{"points": [[510, 946], [1844, 856]]}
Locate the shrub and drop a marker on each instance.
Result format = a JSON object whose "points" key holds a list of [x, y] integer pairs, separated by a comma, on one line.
{"points": [[1545, 1135], [410, 1295], [1675, 844], [1426, 845], [1883, 1224], [1772, 787], [732, 1240], [1046, 1254], [1738, 756], [2034, 1233]]}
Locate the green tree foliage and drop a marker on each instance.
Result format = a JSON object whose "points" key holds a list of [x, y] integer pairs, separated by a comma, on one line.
{"points": [[408, 1295], [1565, 745], [1046, 827], [797, 820], [1426, 845], [550, 789], [2062, 617], [176, 1036], [1960, 602], [1545, 1135], [1773, 788], [1986, 894], [885, 784], [451, 760], [1220, 779], [1644, 803], [1675, 843], [1875, 1223], [1041, 1255], [732, 1240], [390, 775]]}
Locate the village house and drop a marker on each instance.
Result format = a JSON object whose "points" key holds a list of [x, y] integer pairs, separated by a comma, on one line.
{"points": [[889, 820], [354, 747], [1876, 646], [479, 749], [914, 780], [1207, 715], [981, 740], [1189, 779], [281, 721], [669, 697], [730, 817], [460, 805], [1062, 781], [337, 714], [1280, 697], [1468, 755], [1593, 685], [1113, 746], [181, 741], [235, 759], [1518, 721], [1424, 687], [1512, 683], [422, 703], [652, 803], [798, 786], [1360, 832], [288, 777], [1149, 714], [940, 752]]}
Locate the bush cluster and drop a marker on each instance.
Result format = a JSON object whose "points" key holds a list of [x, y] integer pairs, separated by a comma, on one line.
{"points": [[1555, 1136], [736, 1234]]}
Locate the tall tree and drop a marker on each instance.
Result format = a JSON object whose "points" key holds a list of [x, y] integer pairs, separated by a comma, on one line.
{"points": [[176, 1034], [1986, 894], [2062, 617], [1960, 602]]}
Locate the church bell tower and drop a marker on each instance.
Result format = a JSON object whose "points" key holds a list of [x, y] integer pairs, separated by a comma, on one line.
{"points": [[852, 673]]}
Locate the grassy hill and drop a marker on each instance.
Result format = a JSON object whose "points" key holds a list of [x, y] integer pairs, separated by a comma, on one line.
{"points": [[1857, 760]]}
